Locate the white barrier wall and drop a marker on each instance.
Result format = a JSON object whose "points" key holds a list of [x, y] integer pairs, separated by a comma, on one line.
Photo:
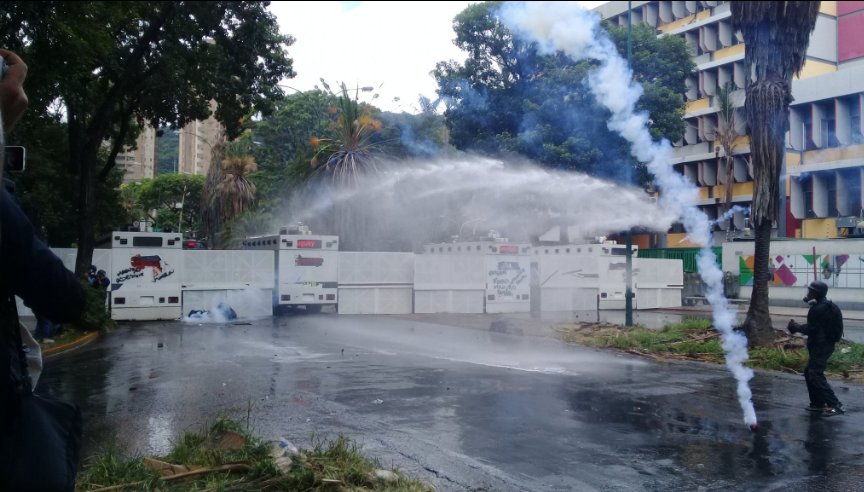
{"points": [[145, 281], [797, 262], [376, 283], [508, 279], [306, 268], [579, 277], [657, 283], [450, 279], [567, 277], [242, 279]]}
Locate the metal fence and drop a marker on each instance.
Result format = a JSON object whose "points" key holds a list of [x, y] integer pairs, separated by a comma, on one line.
{"points": [[686, 255]]}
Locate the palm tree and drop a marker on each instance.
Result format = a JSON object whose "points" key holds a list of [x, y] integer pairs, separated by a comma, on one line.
{"points": [[210, 207], [725, 135], [347, 157], [776, 36], [235, 192]]}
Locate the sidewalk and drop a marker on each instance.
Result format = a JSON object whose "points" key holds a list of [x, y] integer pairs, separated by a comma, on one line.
{"points": [[784, 311]]}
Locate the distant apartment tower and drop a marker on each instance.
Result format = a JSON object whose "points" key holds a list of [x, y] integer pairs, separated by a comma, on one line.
{"points": [[824, 168], [197, 140], [139, 163]]}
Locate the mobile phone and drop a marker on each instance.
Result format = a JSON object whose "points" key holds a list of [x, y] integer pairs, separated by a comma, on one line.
{"points": [[14, 158]]}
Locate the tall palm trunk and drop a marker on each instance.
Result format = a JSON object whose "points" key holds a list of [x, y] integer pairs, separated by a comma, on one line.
{"points": [[776, 36]]}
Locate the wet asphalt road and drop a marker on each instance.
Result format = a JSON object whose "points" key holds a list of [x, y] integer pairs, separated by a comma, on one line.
{"points": [[462, 408]]}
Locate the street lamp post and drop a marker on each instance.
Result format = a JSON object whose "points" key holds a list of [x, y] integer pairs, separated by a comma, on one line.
{"points": [[628, 293]]}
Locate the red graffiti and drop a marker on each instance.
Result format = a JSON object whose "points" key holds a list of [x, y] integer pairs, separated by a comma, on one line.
{"points": [[155, 262], [313, 262]]}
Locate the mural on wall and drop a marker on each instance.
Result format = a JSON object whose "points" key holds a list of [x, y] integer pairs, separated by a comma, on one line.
{"points": [[139, 264], [843, 271], [508, 281]]}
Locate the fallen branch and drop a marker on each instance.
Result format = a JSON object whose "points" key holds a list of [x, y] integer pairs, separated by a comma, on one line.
{"points": [[643, 354], [234, 467], [119, 487]]}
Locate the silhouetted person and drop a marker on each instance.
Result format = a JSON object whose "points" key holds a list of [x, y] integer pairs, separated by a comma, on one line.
{"points": [[28, 269], [824, 328]]}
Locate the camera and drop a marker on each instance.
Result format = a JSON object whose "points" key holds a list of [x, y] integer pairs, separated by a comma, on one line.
{"points": [[14, 158]]}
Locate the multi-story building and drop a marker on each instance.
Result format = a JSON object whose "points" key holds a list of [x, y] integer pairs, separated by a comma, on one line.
{"points": [[139, 163], [197, 140], [824, 166]]}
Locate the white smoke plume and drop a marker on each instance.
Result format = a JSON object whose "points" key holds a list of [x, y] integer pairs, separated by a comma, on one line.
{"points": [[566, 27]]}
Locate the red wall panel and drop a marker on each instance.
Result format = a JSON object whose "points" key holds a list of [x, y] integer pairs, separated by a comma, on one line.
{"points": [[844, 8], [850, 36]]}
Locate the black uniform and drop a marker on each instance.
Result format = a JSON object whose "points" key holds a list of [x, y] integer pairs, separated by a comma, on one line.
{"points": [[824, 328], [31, 271]]}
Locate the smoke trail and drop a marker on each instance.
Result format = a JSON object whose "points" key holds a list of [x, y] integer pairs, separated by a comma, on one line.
{"points": [[559, 26]]}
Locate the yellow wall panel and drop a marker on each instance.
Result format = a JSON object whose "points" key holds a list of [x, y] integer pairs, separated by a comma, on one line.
{"points": [[739, 189], [742, 141], [834, 154], [813, 68], [828, 8], [793, 159], [676, 24], [818, 228], [720, 54], [698, 104]]}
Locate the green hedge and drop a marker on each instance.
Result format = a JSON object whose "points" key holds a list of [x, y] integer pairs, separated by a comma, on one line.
{"points": [[688, 255]]}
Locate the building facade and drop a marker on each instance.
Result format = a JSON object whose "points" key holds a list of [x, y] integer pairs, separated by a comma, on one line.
{"points": [[139, 163], [194, 154], [824, 165], [197, 141]]}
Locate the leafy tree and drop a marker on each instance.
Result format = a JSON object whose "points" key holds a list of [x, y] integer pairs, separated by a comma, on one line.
{"points": [[234, 190], [113, 66], [507, 98], [348, 153], [167, 151], [776, 35], [171, 201], [306, 124], [280, 144], [43, 188], [725, 135]]}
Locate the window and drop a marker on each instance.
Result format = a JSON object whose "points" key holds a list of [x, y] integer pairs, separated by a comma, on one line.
{"points": [[147, 241], [829, 136]]}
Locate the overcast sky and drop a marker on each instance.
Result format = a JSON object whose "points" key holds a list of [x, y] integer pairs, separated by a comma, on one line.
{"points": [[394, 45]]}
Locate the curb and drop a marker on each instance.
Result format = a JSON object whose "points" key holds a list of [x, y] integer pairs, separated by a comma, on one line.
{"points": [[66, 347]]}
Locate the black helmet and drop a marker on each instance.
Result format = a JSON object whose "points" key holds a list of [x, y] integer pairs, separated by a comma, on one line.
{"points": [[818, 288]]}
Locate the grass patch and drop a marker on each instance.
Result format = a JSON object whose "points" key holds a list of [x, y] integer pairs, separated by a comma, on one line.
{"points": [[696, 339], [235, 460]]}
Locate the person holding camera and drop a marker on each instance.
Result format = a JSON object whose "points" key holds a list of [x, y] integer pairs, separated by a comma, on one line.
{"points": [[824, 328], [39, 436]]}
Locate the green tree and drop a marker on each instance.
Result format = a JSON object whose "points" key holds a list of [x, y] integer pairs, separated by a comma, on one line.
{"points": [[776, 35], [121, 64], [282, 147], [725, 135], [347, 154], [43, 188], [171, 201], [167, 151], [507, 98]]}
